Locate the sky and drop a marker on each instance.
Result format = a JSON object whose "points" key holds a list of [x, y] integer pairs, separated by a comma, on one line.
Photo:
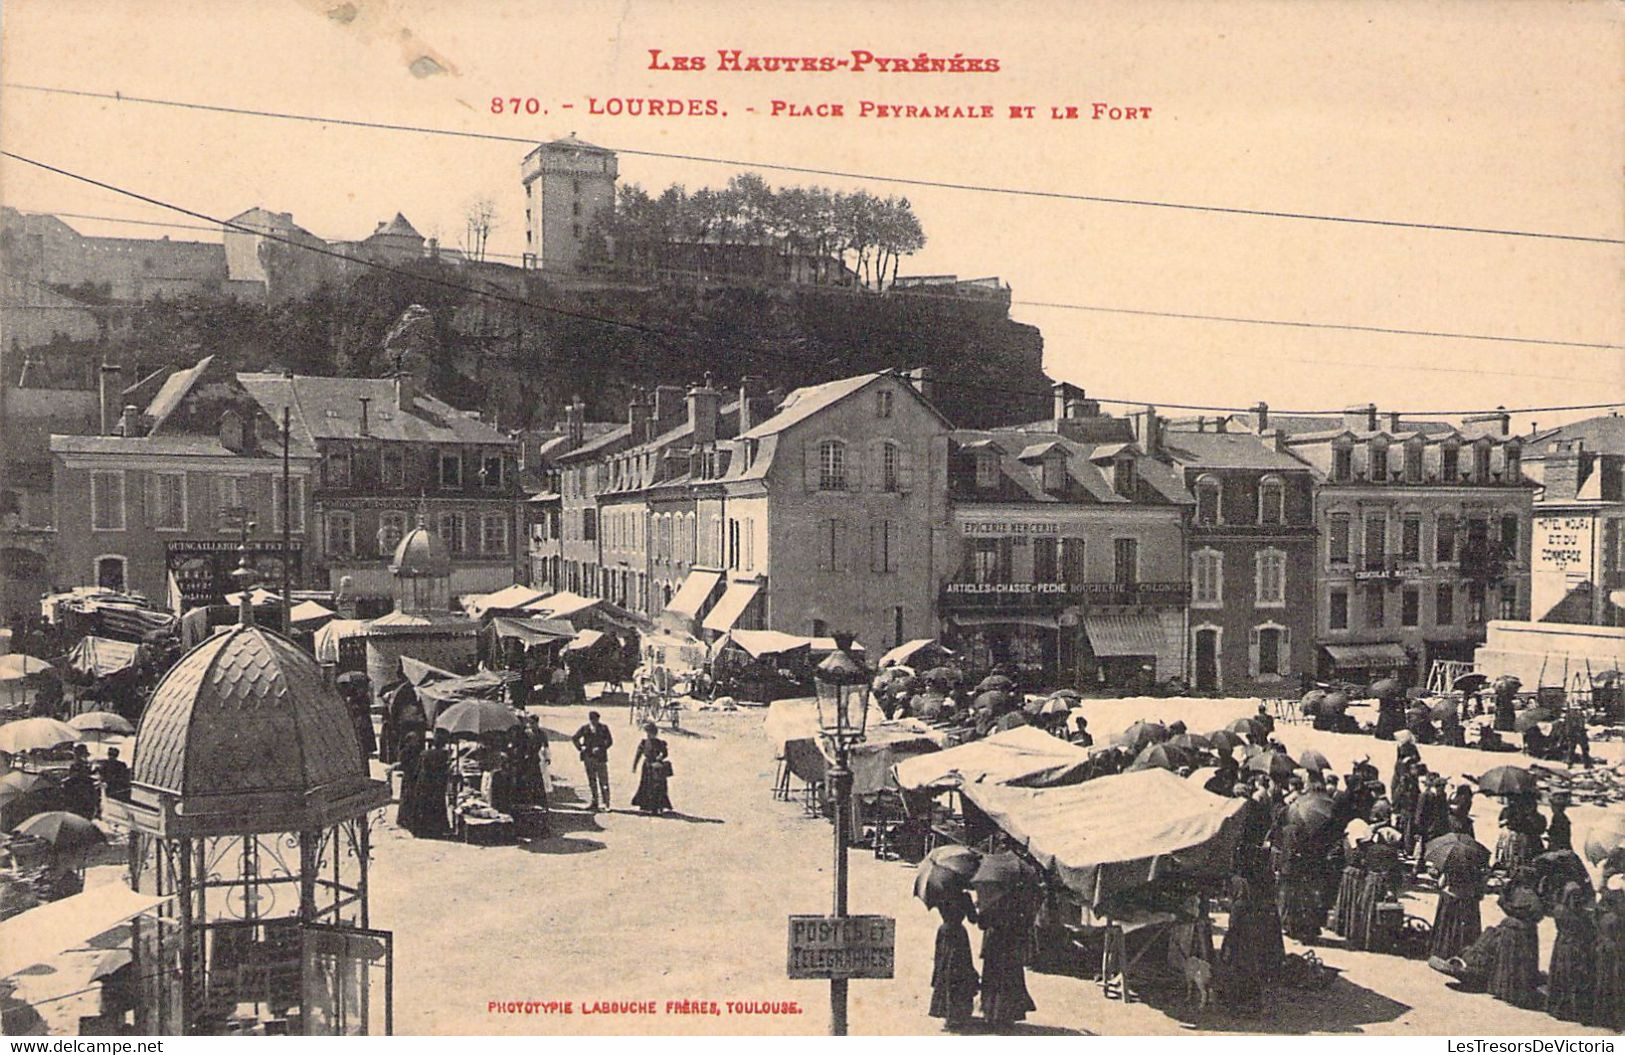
{"points": [[1477, 114]]}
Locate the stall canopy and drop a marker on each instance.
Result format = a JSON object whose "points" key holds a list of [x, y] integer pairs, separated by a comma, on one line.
{"points": [[508, 599], [1021, 757], [563, 605], [759, 643], [1123, 634], [41, 934], [329, 636], [101, 657], [692, 595], [734, 601], [420, 673], [436, 695], [1109, 835], [1382, 654], [584, 640], [793, 726], [308, 612], [257, 597], [827, 644], [534, 631], [909, 650]]}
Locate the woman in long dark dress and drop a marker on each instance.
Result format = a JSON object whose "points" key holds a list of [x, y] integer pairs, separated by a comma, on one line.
{"points": [[1382, 876], [652, 755], [1302, 863], [1506, 958], [1608, 963], [1005, 935], [410, 757], [1456, 925], [1521, 829], [1252, 949], [428, 815], [1571, 977], [1353, 877], [954, 981]]}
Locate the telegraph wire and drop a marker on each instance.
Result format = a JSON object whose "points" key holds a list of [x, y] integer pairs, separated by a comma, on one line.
{"points": [[908, 181], [665, 335]]}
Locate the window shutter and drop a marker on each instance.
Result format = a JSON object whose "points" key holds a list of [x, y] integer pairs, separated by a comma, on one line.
{"points": [[877, 544], [149, 496], [905, 468], [841, 559], [876, 464], [823, 531], [854, 469], [810, 451], [1284, 655], [1252, 652]]}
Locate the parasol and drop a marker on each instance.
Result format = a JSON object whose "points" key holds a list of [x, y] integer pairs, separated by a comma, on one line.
{"points": [[17, 666], [1000, 879], [1160, 756], [1140, 734], [1527, 720], [1224, 740], [1275, 763], [102, 722], [476, 718], [1559, 867], [63, 831], [991, 700], [1311, 812], [1417, 694], [995, 683], [1248, 727], [1444, 710], [1311, 703], [1507, 683], [35, 734], [1606, 836], [1605, 678], [1507, 780], [1067, 694], [1473, 682], [18, 787], [1312, 759], [1335, 703], [1055, 705], [942, 676], [1385, 688], [1456, 850], [944, 870], [1191, 742]]}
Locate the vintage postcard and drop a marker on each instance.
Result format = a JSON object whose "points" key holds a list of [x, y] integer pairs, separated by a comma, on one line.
{"points": [[633, 518]]}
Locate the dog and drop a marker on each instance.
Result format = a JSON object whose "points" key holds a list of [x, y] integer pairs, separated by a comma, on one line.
{"points": [[1197, 972]]}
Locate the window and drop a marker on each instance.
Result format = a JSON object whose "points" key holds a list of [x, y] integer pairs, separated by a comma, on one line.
{"points": [[1450, 464], [1269, 651], [1270, 574], [1373, 606], [1126, 561], [1074, 571], [168, 510], [1475, 603], [341, 534], [1376, 542], [1379, 463], [1123, 477], [336, 468], [1338, 538], [589, 524], [1208, 492], [1481, 463], [491, 474], [1410, 606], [494, 533], [449, 527], [1509, 537], [451, 470], [1046, 560], [883, 403], [1207, 578], [750, 543], [883, 547], [392, 469], [1444, 604], [889, 477], [1514, 467], [110, 573], [987, 469], [1271, 501], [1410, 538], [982, 560], [1509, 600], [107, 500], [1444, 548], [1413, 463], [832, 466], [1338, 617], [1342, 464], [733, 543], [230, 492], [294, 504], [832, 545], [1054, 473]]}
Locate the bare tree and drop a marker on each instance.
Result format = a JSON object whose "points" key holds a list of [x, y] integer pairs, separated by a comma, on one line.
{"points": [[480, 219]]}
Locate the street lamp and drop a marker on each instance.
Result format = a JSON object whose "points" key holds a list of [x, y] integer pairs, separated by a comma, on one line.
{"points": [[843, 715]]}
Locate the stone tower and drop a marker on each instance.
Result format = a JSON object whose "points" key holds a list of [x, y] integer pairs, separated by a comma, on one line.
{"points": [[566, 182]]}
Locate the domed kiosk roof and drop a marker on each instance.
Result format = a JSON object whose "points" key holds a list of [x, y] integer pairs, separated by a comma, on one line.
{"points": [[421, 555], [243, 735]]}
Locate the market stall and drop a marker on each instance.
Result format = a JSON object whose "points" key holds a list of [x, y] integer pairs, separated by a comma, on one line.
{"points": [[1020, 757]]}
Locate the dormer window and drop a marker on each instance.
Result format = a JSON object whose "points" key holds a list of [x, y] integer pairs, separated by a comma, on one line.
{"points": [[1271, 501], [1209, 494], [1514, 466], [1481, 463], [1123, 477], [1342, 464], [1450, 464], [1379, 461], [1054, 473], [987, 470], [1413, 462]]}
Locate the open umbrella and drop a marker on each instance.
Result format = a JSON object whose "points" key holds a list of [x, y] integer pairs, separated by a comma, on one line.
{"points": [[476, 718], [1385, 688], [1160, 756], [991, 700], [995, 683], [1067, 694], [16, 665], [943, 870], [1056, 705], [1417, 693], [1559, 867], [1527, 720], [1224, 740], [35, 734], [1456, 850], [1470, 682], [1140, 734], [1605, 836], [1247, 727], [1275, 763], [1003, 879], [1605, 678], [1312, 759], [1336, 702], [1507, 780], [945, 676], [17, 788], [1507, 683], [1191, 742], [102, 722], [63, 831], [1311, 702], [1311, 812], [1444, 709]]}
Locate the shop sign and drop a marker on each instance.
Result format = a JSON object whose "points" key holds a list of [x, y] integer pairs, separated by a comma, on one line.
{"points": [[1060, 594], [842, 946]]}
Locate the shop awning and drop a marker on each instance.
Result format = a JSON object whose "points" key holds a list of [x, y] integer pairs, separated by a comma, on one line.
{"points": [[733, 604], [692, 595], [1003, 619], [1123, 634], [40, 934], [906, 651], [1383, 654]]}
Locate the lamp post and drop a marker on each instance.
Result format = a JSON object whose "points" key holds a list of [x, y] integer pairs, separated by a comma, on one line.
{"points": [[843, 712]]}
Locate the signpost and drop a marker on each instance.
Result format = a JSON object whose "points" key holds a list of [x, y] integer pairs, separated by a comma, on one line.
{"points": [[842, 946]]}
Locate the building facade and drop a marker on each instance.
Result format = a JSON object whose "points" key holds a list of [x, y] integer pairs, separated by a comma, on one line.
{"points": [[567, 182], [1065, 549], [1251, 541], [1578, 551]]}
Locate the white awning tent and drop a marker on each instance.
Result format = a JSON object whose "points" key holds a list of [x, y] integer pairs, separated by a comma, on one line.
{"points": [[43, 933], [508, 599], [584, 640], [734, 601], [907, 650], [329, 636], [1123, 634], [760, 643], [692, 595], [1022, 757]]}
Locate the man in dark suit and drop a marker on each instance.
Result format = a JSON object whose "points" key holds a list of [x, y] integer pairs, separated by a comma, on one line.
{"points": [[593, 742]]}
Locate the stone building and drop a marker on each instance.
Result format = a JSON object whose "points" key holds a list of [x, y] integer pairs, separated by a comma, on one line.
{"points": [[567, 182], [1578, 551]]}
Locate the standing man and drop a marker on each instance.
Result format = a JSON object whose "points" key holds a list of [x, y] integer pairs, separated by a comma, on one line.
{"points": [[593, 742]]}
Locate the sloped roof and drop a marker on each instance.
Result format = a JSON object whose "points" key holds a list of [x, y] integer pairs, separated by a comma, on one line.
{"points": [[330, 408], [1605, 434], [803, 403], [398, 226], [572, 140], [183, 445], [1088, 476], [174, 390], [1228, 450]]}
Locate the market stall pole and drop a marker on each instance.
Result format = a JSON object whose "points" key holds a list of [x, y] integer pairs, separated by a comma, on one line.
{"points": [[843, 712]]}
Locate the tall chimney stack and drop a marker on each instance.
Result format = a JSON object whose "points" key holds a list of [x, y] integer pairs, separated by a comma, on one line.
{"points": [[1261, 416], [704, 404], [111, 391]]}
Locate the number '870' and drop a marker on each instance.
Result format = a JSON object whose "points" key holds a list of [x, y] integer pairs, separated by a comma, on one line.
{"points": [[515, 105]]}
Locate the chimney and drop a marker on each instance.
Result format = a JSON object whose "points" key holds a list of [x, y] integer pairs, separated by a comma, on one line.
{"points": [[366, 426], [637, 418], [1261, 417], [406, 391], [575, 422], [1151, 437], [750, 399], [1064, 394], [1498, 418], [1562, 475], [1360, 418], [111, 389], [1393, 422], [704, 404], [130, 424], [1221, 423], [920, 377], [1201, 424], [669, 407]]}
